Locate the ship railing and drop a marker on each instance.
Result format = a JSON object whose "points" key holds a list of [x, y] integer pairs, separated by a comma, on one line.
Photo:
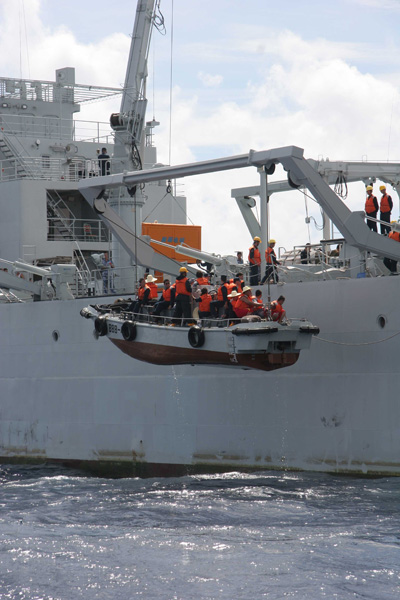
{"points": [[67, 130], [51, 169], [82, 230]]}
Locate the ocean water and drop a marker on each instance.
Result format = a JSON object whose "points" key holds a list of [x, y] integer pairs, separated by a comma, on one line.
{"points": [[234, 536]]}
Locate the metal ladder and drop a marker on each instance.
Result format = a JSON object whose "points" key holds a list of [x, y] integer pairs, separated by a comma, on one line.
{"points": [[54, 203]]}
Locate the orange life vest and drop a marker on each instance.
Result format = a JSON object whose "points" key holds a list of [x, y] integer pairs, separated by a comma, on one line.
{"points": [[219, 293], [203, 281], [241, 307], [180, 286], [276, 307], [268, 255], [166, 295], [370, 206], [385, 206], [153, 289], [256, 260], [205, 303], [394, 235], [142, 290]]}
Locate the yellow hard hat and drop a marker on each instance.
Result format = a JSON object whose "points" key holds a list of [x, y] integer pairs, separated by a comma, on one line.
{"points": [[382, 187], [257, 239], [183, 270], [369, 187], [272, 241]]}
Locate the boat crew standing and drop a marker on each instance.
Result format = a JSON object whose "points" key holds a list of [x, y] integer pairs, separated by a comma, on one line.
{"points": [[371, 208], [271, 262], [255, 262], [183, 294], [385, 207]]}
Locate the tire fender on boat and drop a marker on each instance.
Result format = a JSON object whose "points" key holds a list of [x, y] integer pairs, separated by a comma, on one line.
{"points": [[128, 331], [100, 325], [196, 337]]}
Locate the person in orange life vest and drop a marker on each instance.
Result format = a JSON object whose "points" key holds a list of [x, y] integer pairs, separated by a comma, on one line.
{"points": [[255, 262], [143, 296], [167, 299], [245, 303], [258, 296], [204, 304], [230, 308], [222, 297], [371, 208], [183, 294], [271, 262], [151, 282], [277, 311], [390, 263], [386, 206], [201, 279], [238, 284]]}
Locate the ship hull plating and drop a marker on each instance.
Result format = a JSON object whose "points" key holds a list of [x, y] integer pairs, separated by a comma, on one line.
{"points": [[78, 400]]}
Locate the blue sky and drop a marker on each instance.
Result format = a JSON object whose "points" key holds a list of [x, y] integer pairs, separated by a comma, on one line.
{"points": [[256, 74]]}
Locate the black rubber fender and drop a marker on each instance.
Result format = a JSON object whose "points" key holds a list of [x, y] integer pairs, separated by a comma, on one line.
{"points": [[100, 325], [196, 337], [128, 331]]}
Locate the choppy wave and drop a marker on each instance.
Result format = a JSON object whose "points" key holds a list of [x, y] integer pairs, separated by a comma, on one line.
{"points": [[234, 536]]}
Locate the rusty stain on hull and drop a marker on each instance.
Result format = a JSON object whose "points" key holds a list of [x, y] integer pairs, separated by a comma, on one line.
{"points": [[171, 355]]}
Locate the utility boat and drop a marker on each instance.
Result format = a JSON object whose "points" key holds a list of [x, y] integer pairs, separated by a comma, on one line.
{"points": [[248, 343]]}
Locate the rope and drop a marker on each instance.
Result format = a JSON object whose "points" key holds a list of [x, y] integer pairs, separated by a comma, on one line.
{"points": [[169, 193], [358, 344], [136, 238], [170, 83]]}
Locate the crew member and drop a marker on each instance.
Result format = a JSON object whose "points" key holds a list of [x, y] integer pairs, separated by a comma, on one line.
{"points": [[143, 296], [386, 206], [271, 263], [150, 280], [239, 257], [255, 262], [201, 279], [104, 162], [277, 310], [167, 298], [222, 297], [204, 304], [183, 293], [305, 257], [390, 263], [371, 208], [233, 297], [245, 304]]}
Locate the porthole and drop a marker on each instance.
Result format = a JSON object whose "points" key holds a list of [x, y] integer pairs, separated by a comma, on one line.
{"points": [[55, 335], [381, 321]]}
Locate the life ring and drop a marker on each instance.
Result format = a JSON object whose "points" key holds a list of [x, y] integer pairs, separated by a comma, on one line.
{"points": [[196, 337], [128, 331], [100, 325]]}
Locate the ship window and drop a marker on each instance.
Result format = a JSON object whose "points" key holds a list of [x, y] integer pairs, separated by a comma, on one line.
{"points": [[55, 335], [381, 321]]}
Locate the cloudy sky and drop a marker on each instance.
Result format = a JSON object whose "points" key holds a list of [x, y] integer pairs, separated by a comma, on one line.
{"points": [[259, 74]]}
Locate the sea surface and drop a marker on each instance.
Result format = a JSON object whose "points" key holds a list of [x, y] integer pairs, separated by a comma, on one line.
{"points": [[263, 535]]}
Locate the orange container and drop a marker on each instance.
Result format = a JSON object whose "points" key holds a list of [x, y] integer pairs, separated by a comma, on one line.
{"points": [[174, 235]]}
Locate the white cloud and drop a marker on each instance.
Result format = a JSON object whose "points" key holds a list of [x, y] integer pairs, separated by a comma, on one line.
{"points": [[210, 80]]}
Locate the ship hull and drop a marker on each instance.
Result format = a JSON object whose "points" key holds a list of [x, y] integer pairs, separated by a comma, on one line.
{"points": [[71, 398]]}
